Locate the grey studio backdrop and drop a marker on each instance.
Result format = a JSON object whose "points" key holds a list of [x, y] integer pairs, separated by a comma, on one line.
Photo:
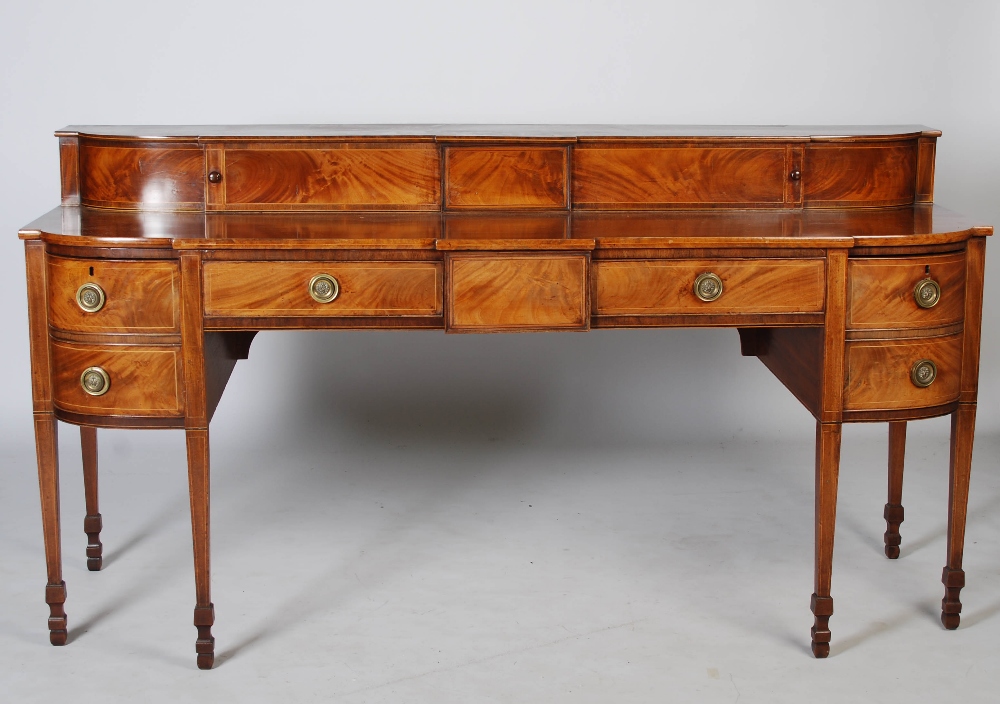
{"points": [[185, 62], [731, 63]]}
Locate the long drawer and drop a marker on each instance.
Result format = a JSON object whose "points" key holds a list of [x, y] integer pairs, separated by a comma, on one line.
{"points": [[318, 289], [665, 287]]}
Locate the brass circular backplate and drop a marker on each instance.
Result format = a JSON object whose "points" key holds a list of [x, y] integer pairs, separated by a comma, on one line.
{"points": [[95, 381], [323, 288], [707, 287], [90, 297], [923, 373], [927, 293]]}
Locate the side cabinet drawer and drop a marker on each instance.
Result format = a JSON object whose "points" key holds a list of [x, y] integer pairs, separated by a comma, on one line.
{"points": [[879, 373], [140, 380], [883, 292], [267, 289], [665, 287], [129, 296]]}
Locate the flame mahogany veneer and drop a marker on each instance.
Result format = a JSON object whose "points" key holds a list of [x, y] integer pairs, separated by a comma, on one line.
{"points": [[174, 246]]}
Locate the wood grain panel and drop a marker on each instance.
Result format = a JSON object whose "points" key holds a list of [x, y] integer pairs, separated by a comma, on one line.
{"points": [[859, 174], [145, 381], [144, 176], [834, 336], [394, 230], [505, 177], [926, 148], [795, 357], [511, 292], [468, 226], [974, 278], [400, 177], [880, 291], [667, 286], [140, 297], [878, 373], [674, 177], [69, 170], [265, 289], [38, 334]]}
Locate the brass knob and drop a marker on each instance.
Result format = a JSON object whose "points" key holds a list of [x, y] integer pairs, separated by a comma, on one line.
{"points": [[215, 177], [90, 297], [927, 293], [923, 373], [95, 381], [707, 287], [323, 288]]}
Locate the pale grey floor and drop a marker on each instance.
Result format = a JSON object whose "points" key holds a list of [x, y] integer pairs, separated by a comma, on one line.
{"points": [[459, 559]]}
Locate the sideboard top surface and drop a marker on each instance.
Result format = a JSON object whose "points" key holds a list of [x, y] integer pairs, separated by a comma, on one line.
{"points": [[913, 225], [443, 131]]}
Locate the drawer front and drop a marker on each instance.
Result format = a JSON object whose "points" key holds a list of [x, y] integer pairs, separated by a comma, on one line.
{"points": [[513, 292], [266, 289], [142, 381], [881, 292], [506, 177], [665, 287], [878, 373], [139, 297]]}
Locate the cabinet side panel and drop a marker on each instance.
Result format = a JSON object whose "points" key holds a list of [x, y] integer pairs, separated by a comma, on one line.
{"points": [[926, 149], [69, 170], [795, 356]]}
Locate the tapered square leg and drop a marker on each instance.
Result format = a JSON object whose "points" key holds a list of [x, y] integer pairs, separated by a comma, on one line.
{"points": [[963, 425], [92, 523], [827, 472], [198, 484], [893, 513], [47, 449]]}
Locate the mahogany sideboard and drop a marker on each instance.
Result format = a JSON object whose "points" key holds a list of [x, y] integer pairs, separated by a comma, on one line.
{"points": [[174, 246]]}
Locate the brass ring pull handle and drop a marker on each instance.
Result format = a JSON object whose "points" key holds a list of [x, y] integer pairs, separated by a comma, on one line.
{"points": [[923, 373], [323, 288], [927, 293], [95, 381], [90, 297], [707, 287]]}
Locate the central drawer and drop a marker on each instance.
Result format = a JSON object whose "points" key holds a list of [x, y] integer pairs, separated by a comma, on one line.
{"points": [[318, 289], [514, 292], [709, 286]]}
